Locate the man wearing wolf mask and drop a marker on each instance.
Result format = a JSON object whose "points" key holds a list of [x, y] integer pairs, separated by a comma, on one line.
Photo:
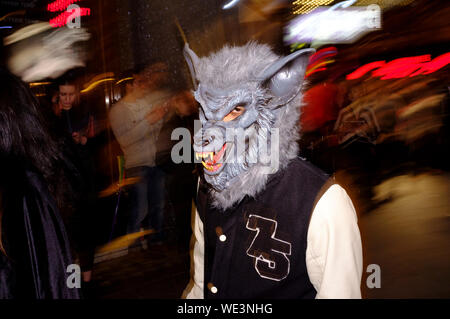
{"points": [[267, 225]]}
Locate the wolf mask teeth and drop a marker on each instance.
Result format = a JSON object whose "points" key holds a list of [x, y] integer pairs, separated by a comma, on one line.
{"points": [[265, 89]]}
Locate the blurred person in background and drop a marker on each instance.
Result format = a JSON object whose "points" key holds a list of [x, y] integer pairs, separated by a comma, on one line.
{"points": [[181, 178], [136, 121], [74, 117], [72, 125], [34, 246]]}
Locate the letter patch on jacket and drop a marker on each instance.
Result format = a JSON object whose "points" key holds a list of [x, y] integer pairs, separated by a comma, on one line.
{"points": [[270, 253]]}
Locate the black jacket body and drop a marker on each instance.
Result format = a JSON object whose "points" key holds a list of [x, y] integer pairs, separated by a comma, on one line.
{"points": [[257, 249]]}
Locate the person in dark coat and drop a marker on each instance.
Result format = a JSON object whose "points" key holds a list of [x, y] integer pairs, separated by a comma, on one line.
{"points": [[34, 249]]}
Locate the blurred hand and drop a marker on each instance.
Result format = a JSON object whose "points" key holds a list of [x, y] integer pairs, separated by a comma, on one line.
{"points": [[157, 113], [185, 104], [79, 139]]}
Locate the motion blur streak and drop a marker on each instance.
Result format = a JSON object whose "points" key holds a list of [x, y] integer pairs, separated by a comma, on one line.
{"points": [[399, 68], [60, 5], [409, 235], [38, 53]]}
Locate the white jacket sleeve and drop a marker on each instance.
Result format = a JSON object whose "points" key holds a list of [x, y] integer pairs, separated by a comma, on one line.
{"points": [[334, 250], [194, 289]]}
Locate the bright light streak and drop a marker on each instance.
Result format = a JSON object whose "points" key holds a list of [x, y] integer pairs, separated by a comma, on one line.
{"points": [[95, 84], [343, 4], [320, 64], [33, 84], [318, 60], [230, 4], [123, 80], [402, 67], [61, 20], [60, 5], [12, 14], [315, 71], [318, 67], [305, 6], [322, 54], [364, 69], [337, 24]]}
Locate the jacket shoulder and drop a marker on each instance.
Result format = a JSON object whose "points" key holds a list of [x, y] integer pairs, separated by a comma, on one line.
{"points": [[307, 169]]}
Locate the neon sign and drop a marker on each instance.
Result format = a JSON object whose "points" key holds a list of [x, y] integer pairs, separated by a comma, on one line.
{"points": [[402, 67], [71, 15], [60, 5]]}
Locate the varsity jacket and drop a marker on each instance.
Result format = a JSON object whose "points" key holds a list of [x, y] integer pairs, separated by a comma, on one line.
{"points": [[257, 249]]}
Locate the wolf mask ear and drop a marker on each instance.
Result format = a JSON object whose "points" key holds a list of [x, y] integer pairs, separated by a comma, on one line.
{"points": [[284, 77], [192, 61]]}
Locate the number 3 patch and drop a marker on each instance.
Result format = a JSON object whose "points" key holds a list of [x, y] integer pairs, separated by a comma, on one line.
{"points": [[270, 253]]}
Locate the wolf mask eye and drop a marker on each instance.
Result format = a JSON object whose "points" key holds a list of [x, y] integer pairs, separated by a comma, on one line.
{"points": [[238, 110]]}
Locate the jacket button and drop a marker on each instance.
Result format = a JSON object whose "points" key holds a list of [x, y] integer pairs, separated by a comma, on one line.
{"points": [[219, 231], [212, 288]]}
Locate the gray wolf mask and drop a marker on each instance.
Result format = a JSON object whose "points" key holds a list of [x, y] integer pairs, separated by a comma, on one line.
{"points": [[266, 90]]}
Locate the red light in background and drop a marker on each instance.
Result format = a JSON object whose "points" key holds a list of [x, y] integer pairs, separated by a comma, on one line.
{"points": [[402, 67], [434, 65], [61, 20], [364, 69], [60, 5]]}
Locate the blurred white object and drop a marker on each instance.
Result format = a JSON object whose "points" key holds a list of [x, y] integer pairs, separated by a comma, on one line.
{"points": [[230, 4], [38, 52], [338, 24]]}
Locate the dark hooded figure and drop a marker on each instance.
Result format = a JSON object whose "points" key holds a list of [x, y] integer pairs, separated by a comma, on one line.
{"points": [[34, 249]]}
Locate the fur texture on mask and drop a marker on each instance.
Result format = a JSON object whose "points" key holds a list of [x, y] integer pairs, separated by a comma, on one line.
{"points": [[234, 67]]}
